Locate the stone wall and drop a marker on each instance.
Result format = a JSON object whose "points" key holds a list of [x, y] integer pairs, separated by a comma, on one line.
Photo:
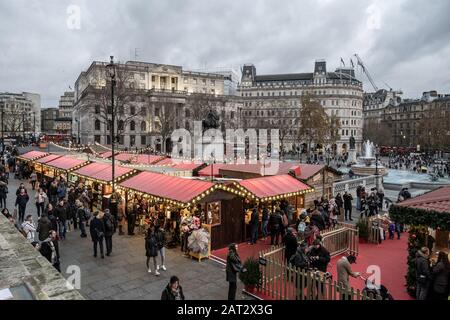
{"points": [[22, 265]]}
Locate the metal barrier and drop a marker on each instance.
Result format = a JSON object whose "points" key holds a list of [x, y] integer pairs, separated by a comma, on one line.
{"points": [[283, 282]]}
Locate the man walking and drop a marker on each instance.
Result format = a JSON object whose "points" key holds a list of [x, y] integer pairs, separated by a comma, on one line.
{"points": [[21, 203], [110, 228], [97, 231], [348, 206]]}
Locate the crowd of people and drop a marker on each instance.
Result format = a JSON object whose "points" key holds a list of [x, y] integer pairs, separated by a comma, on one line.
{"points": [[419, 163]]}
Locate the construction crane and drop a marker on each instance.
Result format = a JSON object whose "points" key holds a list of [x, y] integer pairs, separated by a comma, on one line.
{"points": [[364, 69]]}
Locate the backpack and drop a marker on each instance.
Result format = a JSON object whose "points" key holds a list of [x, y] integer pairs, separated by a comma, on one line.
{"points": [[109, 224], [285, 220]]}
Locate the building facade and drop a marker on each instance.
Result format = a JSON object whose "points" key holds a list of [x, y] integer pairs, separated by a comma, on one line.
{"points": [[374, 103], [274, 101], [20, 113], [404, 120], [154, 100], [63, 124], [48, 120]]}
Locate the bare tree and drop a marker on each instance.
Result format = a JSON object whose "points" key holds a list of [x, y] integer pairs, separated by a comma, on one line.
{"points": [[378, 132], [165, 121], [314, 124], [334, 125], [14, 121]]}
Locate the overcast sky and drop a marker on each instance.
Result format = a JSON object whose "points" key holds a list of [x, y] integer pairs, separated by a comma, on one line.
{"points": [[404, 43]]}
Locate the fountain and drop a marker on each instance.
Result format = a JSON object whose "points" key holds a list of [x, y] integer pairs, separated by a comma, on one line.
{"points": [[366, 165]]}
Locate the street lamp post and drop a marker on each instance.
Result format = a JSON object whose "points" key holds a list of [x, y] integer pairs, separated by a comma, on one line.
{"points": [[111, 69]]}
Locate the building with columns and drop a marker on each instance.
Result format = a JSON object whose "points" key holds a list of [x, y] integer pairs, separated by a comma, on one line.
{"points": [[154, 100], [274, 101]]}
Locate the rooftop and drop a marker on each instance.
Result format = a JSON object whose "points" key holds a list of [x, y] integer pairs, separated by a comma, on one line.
{"points": [[437, 200]]}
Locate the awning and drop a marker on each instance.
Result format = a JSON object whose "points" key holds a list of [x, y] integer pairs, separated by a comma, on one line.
{"points": [[124, 157], [168, 187], [49, 158], [102, 171], [146, 159], [33, 155], [66, 163], [265, 188]]}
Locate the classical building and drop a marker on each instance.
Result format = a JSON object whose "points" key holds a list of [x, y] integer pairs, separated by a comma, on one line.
{"points": [[404, 118], [20, 113], [374, 103], [154, 99], [274, 101], [48, 120]]}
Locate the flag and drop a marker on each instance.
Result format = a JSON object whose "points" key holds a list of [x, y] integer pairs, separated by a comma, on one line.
{"points": [[342, 60], [351, 62]]}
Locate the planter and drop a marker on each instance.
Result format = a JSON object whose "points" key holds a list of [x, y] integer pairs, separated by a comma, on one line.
{"points": [[250, 288]]}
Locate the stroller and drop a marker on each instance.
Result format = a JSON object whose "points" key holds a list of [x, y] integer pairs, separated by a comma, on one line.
{"points": [[372, 290]]}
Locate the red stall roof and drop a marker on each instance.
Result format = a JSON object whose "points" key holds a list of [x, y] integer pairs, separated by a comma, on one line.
{"points": [[206, 171], [124, 157], [102, 171], [106, 154], [163, 186], [436, 200], [65, 163], [147, 159], [32, 155], [271, 186], [180, 164], [49, 158], [256, 168]]}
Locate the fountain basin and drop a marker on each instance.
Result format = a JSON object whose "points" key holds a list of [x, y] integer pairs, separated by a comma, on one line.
{"points": [[368, 170]]}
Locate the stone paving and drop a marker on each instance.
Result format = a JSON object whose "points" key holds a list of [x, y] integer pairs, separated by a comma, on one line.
{"points": [[123, 275]]}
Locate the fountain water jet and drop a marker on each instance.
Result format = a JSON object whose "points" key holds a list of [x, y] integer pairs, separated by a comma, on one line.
{"points": [[366, 165]]}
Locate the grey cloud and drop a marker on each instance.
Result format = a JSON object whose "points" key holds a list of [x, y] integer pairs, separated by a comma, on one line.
{"points": [[39, 53]]}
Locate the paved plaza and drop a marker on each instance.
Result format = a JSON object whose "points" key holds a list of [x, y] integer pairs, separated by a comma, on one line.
{"points": [[123, 275]]}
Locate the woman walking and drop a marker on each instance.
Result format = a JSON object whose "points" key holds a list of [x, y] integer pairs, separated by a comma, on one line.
{"points": [[151, 249]]}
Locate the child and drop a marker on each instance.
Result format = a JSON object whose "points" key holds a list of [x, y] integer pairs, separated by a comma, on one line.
{"points": [[391, 230]]}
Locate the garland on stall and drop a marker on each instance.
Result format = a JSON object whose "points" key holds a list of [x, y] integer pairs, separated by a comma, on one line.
{"points": [[416, 240], [420, 217]]}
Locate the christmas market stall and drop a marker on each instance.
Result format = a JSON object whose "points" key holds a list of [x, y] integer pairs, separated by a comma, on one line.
{"points": [[198, 214], [39, 164], [31, 156], [98, 178], [60, 167], [427, 218], [284, 191]]}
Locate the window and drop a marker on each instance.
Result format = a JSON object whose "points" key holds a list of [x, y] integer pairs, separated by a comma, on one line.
{"points": [[232, 115], [108, 139], [97, 124], [143, 111], [132, 140], [120, 125], [97, 138], [157, 112], [153, 78], [97, 109], [143, 126], [173, 80], [132, 126], [132, 110], [121, 139]]}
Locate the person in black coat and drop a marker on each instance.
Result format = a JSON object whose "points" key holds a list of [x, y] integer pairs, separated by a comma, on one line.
{"points": [[44, 227], [97, 230], [423, 274], [3, 194], [173, 291], [254, 223], [348, 206], [317, 220], [110, 228], [233, 266], [319, 256], [275, 224], [49, 248], [61, 217], [290, 242], [21, 203], [151, 249], [441, 273]]}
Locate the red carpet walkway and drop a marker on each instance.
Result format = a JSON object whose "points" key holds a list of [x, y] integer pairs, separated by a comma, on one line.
{"points": [[390, 256]]}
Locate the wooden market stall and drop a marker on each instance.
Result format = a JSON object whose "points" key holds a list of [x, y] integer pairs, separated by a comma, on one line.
{"points": [[31, 156], [39, 164], [270, 191], [98, 176], [427, 218], [171, 200], [62, 166]]}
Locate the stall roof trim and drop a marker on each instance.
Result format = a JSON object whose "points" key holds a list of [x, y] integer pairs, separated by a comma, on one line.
{"points": [[32, 155], [273, 185], [49, 158], [65, 163], [173, 188]]}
